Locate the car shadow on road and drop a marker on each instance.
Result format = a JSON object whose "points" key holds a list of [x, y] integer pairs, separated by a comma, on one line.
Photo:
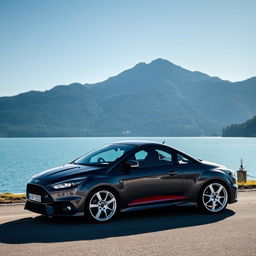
{"points": [[40, 229]]}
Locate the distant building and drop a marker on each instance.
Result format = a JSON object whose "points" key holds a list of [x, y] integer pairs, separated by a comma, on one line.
{"points": [[242, 173]]}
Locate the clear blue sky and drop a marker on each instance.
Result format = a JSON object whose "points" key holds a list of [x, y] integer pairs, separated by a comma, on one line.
{"points": [[45, 43]]}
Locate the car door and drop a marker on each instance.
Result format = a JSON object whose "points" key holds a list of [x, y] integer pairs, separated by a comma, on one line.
{"points": [[191, 172], [156, 179]]}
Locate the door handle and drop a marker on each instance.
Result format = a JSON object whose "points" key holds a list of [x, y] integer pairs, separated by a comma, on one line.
{"points": [[172, 173]]}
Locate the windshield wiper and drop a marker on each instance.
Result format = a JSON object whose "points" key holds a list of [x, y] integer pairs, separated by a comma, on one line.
{"points": [[99, 165]]}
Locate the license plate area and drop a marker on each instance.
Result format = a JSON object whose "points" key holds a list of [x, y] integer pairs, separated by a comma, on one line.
{"points": [[34, 197]]}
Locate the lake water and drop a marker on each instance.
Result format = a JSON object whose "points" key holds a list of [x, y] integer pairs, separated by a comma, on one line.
{"points": [[20, 158]]}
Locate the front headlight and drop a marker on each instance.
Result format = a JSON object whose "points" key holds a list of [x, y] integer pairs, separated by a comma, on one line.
{"points": [[233, 174], [67, 184], [230, 172]]}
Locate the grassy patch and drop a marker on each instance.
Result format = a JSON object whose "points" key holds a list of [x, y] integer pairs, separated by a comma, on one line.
{"points": [[248, 184], [8, 198]]}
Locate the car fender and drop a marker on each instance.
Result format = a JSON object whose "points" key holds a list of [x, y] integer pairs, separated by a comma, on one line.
{"points": [[208, 176], [116, 186]]}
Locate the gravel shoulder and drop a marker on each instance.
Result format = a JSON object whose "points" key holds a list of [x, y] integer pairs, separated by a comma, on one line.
{"points": [[168, 231]]}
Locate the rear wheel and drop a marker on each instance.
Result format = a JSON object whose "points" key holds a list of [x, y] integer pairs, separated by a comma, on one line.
{"points": [[102, 205], [213, 197]]}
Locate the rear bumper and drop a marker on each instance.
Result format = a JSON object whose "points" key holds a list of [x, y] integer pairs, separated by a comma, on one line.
{"points": [[233, 194]]}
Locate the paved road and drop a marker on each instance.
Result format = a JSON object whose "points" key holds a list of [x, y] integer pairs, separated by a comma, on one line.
{"points": [[171, 231]]}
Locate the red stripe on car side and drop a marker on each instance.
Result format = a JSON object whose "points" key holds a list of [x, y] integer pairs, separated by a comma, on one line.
{"points": [[156, 199]]}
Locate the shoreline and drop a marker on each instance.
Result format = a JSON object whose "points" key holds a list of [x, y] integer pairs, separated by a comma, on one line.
{"points": [[10, 199]]}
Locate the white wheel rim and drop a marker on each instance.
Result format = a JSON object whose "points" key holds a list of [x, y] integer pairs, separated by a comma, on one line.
{"points": [[215, 197], [102, 205]]}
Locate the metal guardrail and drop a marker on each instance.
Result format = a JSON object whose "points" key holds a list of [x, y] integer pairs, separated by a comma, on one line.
{"points": [[251, 176]]}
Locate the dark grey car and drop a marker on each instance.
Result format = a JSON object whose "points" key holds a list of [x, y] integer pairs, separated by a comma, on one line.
{"points": [[127, 176]]}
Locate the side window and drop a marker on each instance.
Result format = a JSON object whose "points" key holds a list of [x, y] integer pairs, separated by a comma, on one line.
{"points": [[164, 157], [182, 159], [152, 157], [141, 155]]}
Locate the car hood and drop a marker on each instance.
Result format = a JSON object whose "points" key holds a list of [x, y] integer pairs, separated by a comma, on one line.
{"points": [[64, 172]]}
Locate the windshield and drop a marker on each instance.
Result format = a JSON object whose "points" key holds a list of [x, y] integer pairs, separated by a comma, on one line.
{"points": [[104, 155]]}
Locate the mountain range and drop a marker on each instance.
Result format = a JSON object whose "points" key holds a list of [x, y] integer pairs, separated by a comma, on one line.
{"points": [[155, 99]]}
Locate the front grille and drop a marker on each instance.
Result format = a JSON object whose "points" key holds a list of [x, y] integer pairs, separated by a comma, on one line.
{"points": [[34, 207], [38, 190]]}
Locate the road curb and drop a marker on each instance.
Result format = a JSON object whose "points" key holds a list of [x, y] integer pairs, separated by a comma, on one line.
{"points": [[12, 204], [246, 190]]}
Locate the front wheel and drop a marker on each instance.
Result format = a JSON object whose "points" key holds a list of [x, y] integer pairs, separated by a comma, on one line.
{"points": [[102, 206], [213, 198]]}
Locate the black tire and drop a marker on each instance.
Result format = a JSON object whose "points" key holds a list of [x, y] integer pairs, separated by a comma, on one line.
{"points": [[104, 210], [213, 197]]}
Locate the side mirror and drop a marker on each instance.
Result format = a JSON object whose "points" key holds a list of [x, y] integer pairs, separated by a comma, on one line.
{"points": [[133, 163]]}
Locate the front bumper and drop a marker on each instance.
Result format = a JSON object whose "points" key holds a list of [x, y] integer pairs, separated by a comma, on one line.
{"points": [[54, 209], [55, 203]]}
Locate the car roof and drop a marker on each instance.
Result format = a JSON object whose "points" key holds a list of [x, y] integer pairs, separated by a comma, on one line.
{"points": [[138, 142]]}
